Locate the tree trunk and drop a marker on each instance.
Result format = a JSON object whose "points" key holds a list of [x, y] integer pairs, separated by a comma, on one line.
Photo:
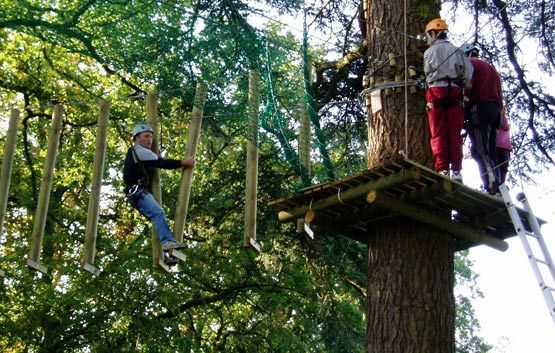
{"points": [[410, 278], [389, 131], [410, 303]]}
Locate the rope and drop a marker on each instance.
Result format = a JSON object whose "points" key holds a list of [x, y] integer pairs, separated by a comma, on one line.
{"points": [[339, 196], [406, 152]]}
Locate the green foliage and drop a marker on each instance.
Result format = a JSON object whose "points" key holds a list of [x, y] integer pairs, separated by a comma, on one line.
{"points": [[467, 326], [296, 296]]}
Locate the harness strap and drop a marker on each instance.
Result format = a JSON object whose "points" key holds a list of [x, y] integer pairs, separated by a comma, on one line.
{"points": [[145, 180]]}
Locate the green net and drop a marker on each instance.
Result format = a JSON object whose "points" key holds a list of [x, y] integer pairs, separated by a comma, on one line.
{"points": [[312, 113], [273, 121]]}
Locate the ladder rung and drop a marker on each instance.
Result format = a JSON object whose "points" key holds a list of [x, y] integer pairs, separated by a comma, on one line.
{"points": [[535, 232]]}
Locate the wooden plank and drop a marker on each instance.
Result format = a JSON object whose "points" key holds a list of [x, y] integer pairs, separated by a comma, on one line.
{"points": [[161, 264], [434, 193], [90, 268], [178, 255], [349, 194], [36, 266], [254, 244]]}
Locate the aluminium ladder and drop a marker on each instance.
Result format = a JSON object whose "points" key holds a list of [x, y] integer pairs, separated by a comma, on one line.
{"points": [[547, 291]]}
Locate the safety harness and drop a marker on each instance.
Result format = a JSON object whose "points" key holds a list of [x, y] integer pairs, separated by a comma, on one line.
{"points": [[137, 192]]}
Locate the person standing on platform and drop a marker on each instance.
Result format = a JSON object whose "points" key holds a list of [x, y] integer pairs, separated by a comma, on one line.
{"points": [[483, 114], [447, 71]]}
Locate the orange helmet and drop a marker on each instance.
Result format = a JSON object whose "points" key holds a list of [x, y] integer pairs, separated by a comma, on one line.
{"points": [[436, 24]]}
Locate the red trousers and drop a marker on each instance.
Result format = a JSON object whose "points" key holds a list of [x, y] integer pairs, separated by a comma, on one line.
{"points": [[446, 118]]}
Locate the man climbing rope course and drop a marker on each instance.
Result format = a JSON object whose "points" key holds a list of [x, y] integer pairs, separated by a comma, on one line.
{"points": [[139, 167]]}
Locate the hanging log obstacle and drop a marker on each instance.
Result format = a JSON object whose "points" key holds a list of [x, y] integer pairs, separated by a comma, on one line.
{"points": [[304, 121], [40, 218], [251, 179], [187, 174], [87, 261], [33, 261], [402, 189], [156, 189], [7, 164]]}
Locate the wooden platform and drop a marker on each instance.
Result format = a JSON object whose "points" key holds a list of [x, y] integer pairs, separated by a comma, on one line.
{"points": [[402, 189]]}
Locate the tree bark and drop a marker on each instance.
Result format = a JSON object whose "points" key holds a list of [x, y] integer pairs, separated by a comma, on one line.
{"points": [[388, 130], [410, 274], [410, 300]]}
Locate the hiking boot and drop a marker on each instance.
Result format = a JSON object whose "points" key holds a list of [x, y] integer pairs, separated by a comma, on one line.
{"points": [[457, 176], [493, 189], [170, 260], [172, 244]]}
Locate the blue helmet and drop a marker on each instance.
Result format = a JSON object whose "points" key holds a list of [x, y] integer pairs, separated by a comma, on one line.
{"points": [[141, 128], [470, 48]]}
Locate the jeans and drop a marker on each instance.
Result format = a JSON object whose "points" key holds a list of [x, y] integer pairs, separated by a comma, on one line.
{"points": [[154, 212]]}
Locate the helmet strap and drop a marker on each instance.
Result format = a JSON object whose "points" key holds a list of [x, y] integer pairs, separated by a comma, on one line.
{"points": [[431, 37]]}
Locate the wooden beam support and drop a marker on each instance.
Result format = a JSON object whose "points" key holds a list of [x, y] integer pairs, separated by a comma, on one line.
{"points": [[403, 176], [353, 233], [491, 220], [354, 217], [320, 223], [346, 224], [417, 213]]}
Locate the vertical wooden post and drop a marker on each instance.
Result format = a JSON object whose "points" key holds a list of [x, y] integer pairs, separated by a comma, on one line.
{"points": [[190, 151], [152, 121], [304, 136], [87, 261], [7, 163], [251, 182], [33, 261]]}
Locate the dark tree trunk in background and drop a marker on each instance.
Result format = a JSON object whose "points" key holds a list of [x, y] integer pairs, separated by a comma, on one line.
{"points": [[410, 303]]}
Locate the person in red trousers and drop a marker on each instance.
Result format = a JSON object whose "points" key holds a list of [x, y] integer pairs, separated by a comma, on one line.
{"points": [[447, 71]]}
